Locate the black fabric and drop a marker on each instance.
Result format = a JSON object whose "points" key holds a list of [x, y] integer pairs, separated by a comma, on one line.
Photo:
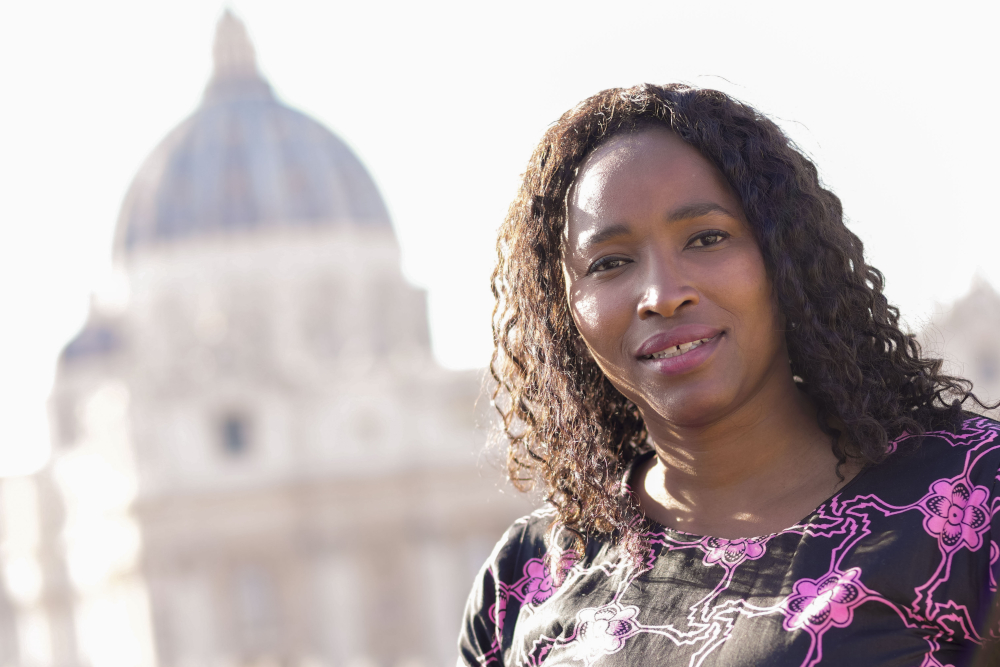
{"points": [[898, 569]]}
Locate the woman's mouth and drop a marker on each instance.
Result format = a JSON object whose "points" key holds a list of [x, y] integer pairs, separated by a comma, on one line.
{"points": [[683, 357], [679, 349]]}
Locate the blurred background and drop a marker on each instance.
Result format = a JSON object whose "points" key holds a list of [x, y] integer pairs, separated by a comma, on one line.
{"points": [[244, 262]]}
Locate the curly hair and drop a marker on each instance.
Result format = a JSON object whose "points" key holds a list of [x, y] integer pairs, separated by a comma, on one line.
{"points": [[570, 431]]}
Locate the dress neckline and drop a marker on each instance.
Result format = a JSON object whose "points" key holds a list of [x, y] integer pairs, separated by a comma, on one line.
{"points": [[653, 524]]}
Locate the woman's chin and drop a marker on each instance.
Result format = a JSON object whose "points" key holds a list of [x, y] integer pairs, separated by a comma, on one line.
{"points": [[694, 410]]}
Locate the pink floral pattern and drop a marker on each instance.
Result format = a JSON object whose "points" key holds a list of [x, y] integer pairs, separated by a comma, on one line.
{"points": [[539, 586], [912, 543], [816, 604], [498, 611], [604, 630], [955, 511], [732, 552], [539, 581]]}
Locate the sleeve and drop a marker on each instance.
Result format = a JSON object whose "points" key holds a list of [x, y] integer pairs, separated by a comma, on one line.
{"points": [[479, 639], [494, 603], [989, 653], [991, 627], [989, 615]]}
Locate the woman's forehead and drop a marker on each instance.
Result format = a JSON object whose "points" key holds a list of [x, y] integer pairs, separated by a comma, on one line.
{"points": [[651, 167]]}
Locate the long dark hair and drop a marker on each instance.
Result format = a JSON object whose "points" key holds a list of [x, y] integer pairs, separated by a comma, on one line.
{"points": [[569, 430]]}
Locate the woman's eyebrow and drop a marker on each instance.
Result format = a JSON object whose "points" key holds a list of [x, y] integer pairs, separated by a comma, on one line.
{"points": [[589, 239], [686, 212], [689, 211]]}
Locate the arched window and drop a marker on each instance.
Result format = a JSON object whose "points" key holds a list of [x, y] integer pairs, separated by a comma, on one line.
{"points": [[235, 434]]}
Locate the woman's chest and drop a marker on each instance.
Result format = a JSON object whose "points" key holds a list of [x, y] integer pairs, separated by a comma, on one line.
{"points": [[856, 585]]}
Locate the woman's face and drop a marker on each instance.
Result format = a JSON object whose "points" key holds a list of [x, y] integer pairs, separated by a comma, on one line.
{"points": [[666, 283]]}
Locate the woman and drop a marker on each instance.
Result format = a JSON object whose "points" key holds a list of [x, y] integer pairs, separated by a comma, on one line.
{"points": [[746, 460]]}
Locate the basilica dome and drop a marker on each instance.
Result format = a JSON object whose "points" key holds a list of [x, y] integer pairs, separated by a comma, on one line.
{"points": [[242, 162]]}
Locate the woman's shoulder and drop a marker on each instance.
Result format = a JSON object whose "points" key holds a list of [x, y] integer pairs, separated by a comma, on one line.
{"points": [[976, 433], [527, 539], [516, 571], [973, 431], [967, 454]]}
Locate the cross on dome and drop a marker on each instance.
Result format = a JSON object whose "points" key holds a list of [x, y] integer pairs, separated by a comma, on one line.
{"points": [[233, 52], [235, 75]]}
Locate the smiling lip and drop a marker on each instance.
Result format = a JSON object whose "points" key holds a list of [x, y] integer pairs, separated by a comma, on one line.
{"points": [[676, 341], [679, 350]]}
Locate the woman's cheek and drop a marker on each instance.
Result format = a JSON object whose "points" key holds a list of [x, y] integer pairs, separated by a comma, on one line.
{"points": [[754, 304], [598, 314], [585, 311]]}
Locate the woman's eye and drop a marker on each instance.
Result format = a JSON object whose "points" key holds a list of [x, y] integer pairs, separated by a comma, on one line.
{"points": [[607, 264], [708, 238]]}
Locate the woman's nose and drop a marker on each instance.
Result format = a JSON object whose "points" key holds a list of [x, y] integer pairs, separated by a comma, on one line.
{"points": [[665, 290]]}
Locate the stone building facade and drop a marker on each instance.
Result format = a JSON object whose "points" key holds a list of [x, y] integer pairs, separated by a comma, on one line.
{"points": [[257, 460]]}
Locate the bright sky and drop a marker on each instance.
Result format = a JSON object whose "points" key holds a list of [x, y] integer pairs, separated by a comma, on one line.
{"points": [[443, 101]]}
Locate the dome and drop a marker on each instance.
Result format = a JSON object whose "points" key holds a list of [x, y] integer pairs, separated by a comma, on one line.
{"points": [[242, 162]]}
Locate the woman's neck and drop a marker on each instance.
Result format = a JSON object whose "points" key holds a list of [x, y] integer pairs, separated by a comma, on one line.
{"points": [[758, 471]]}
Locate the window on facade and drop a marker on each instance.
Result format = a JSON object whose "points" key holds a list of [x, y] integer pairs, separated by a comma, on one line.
{"points": [[234, 434], [258, 618]]}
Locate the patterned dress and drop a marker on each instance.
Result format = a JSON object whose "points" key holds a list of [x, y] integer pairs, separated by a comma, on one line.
{"points": [[898, 568]]}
